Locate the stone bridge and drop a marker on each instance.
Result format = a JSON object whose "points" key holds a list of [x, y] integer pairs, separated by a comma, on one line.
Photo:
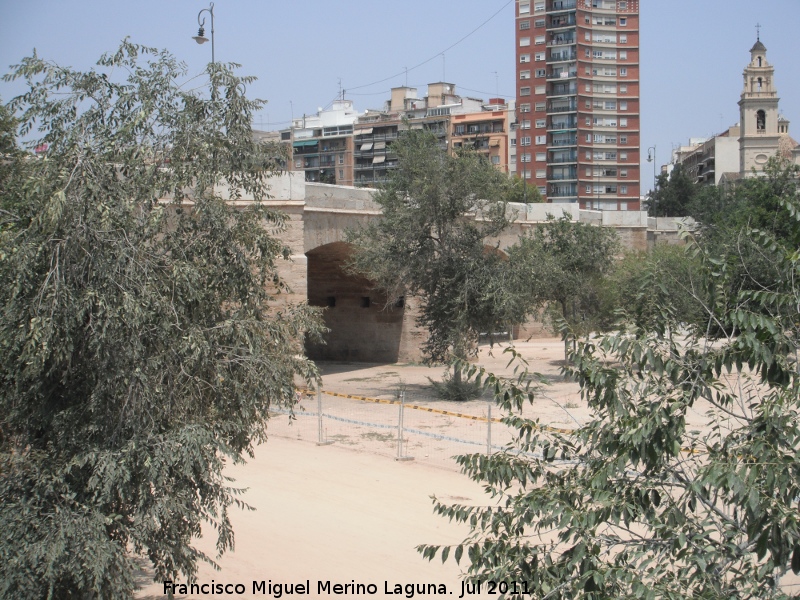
{"points": [[365, 326]]}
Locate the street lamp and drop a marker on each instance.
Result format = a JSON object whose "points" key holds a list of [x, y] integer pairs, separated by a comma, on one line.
{"points": [[651, 157], [201, 38]]}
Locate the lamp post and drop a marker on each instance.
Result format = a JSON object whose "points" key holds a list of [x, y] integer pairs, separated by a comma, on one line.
{"points": [[200, 38], [651, 157]]}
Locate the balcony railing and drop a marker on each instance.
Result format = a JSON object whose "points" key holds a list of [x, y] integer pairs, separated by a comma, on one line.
{"points": [[561, 42], [562, 4], [564, 159], [562, 74]]}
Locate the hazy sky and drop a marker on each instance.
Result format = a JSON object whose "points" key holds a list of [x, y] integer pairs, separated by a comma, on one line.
{"points": [[692, 51]]}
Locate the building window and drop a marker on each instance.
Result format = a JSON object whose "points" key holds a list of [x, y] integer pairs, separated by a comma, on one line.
{"points": [[623, 72], [524, 24], [539, 90], [623, 39], [538, 107], [525, 41], [341, 159], [623, 21], [623, 5], [524, 108], [495, 160], [341, 173], [539, 39], [623, 105], [538, 7], [623, 89], [540, 157], [540, 123], [524, 8], [540, 174], [524, 74], [525, 141], [526, 124], [623, 156], [623, 172], [623, 122], [623, 189], [623, 139], [538, 23], [541, 139], [761, 120], [538, 56], [524, 58], [623, 55], [525, 91], [526, 158]]}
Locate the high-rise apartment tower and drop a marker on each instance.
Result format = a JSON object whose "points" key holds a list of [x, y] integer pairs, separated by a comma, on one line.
{"points": [[578, 100]]}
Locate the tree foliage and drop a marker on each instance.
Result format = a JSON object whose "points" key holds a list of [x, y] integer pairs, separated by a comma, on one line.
{"points": [[522, 192], [436, 240], [674, 195], [636, 503], [563, 262], [141, 338], [644, 284]]}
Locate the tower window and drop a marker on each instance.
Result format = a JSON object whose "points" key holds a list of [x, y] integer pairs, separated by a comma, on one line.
{"points": [[761, 120]]}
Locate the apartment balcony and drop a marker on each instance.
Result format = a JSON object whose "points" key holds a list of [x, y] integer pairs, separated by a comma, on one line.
{"points": [[570, 175], [562, 90], [562, 56], [563, 158], [559, 142], [558, 108], [558, 5], [562, 21], [561, 41], [558, 75]]}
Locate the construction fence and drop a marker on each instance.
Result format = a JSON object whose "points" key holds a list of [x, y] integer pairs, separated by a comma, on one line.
{"points": [[394, 428]]}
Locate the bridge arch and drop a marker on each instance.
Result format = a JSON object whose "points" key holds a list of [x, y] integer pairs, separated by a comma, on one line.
{"points": [[363, 325]]}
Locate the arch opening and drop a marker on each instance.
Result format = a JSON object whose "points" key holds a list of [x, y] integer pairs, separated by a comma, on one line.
{"points": [[363, 325]]}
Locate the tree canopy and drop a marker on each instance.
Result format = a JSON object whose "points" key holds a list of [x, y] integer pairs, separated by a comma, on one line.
{"points": [[437, 240], [637, 502], [563, 262], [143, 338]]}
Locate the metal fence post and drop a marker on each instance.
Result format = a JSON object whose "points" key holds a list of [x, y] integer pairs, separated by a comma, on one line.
{"points": [[400, 455], [489, 428], [321, 441]]}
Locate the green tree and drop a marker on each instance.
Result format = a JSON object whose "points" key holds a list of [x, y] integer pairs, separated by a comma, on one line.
{"points": [[522, 192], [435, 240], [674, 194], [641, 283], [637, 503], [563, 262], [142, 343]]}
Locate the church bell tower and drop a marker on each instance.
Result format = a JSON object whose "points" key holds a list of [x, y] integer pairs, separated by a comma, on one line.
{"points": [[758, 113]]}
